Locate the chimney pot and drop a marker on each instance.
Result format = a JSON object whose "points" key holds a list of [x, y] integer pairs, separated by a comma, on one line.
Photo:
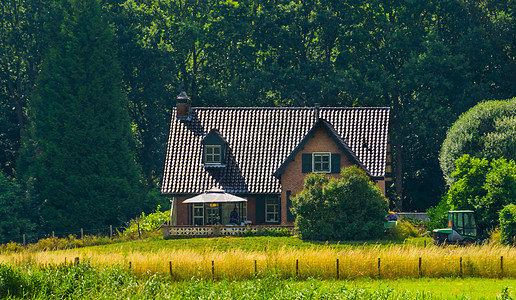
{"points": [[317, 107], [183, 104]]}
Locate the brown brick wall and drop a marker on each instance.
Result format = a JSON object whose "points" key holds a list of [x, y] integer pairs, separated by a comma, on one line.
{"points": [[183, 213], [293, 178]]}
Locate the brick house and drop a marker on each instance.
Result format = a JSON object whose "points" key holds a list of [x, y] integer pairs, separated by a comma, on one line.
{"points": [[263, 154]]}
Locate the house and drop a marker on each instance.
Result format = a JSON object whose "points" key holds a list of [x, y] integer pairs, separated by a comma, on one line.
{"points": [[263, 154]]}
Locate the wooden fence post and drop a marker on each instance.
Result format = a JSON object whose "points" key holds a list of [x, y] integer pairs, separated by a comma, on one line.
{"points": [[337, 268], [170, 267], [461, 266], [255, 268], [76, 260], [82, 233], [213, 267], [501, 266], [420, 271], [297, 267], [379, 274], [24, 244], [110, 231]]}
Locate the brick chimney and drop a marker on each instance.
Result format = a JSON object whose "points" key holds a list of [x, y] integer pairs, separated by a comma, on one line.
{"points": [[183, 104]]}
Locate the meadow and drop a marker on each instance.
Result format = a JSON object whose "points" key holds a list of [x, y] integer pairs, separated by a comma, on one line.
{"points": [[280, 267], [238, 258]]}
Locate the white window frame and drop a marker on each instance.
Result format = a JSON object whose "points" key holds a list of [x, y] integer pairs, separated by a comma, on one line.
{"points": [[212, 155], [321, 154], [200, 207], [275, 212]]}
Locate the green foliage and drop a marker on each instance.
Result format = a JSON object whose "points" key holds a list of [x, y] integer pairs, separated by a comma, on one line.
{"points": [[438, 215], [78, 150], [483, 187], [14, 221], [508, 224], [402, 231], [147, 223], [468, 188], [349, 208], [485, 131]]}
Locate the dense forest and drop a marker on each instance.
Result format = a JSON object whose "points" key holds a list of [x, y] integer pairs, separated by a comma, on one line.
{"points": [[117, 66]]}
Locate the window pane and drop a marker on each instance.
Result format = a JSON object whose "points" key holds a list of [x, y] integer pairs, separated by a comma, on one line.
{"points": [[198, 214], [212, 154], [321, 162], [272, 209]]}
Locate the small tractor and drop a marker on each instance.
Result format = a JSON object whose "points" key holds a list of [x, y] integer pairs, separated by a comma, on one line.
{"points": [[462, 229]]}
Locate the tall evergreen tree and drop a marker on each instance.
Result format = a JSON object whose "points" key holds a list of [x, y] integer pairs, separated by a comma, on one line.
{"points": [[78, 149]]}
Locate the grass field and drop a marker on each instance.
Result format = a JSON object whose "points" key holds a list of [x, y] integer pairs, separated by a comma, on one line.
{"points": [[232, 267], [287, 257], [87, 282]]}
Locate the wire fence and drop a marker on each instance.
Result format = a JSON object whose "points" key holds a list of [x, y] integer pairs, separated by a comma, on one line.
{"points": [[30, 238], [340, 268]]}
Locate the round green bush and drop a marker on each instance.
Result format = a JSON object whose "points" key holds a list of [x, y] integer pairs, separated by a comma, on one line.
{"points": [[348, 208], [488, 130]]}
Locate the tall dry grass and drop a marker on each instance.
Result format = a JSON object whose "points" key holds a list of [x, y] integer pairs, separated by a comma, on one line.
{"points": [[396, 261]]}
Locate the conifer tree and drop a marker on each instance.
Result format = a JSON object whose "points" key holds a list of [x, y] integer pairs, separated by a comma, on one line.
{"points": [[78, 151]]}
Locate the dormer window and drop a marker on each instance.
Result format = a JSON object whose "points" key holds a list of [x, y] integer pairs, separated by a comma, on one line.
{"points": [[214, 150], [212, 154], [321, 162]]}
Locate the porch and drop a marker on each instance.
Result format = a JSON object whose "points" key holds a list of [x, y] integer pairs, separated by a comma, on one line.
{"points": [[186, 231]]}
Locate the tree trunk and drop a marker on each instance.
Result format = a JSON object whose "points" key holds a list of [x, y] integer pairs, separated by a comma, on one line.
{"points": [[399, 175]]}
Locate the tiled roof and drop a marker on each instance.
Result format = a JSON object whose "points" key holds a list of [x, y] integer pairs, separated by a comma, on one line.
{"points": [[259, 141], [334, 135]]}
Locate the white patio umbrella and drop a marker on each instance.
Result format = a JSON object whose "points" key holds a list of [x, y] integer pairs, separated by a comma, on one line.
{"points": [[215, 195]]}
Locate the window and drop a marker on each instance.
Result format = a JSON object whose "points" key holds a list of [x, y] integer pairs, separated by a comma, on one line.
{"points": [[198, 214], [321, 162], [213, 214], [272, 208], [212, 155]]}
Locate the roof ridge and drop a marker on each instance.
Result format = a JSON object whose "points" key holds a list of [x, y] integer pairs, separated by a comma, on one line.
{"points": [[287, 108]]}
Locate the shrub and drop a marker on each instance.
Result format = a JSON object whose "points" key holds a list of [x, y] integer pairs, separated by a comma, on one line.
{"points": [[438, 215], [349, 208], [11, 247], [403, 230], [508, 224], [147, 223]]}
